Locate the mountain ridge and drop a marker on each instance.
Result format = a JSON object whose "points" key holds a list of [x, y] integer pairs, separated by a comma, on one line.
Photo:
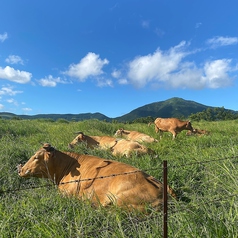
{"points": [[173, 107]]}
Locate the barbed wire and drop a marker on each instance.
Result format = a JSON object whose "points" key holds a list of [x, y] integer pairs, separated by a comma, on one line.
{"points": [[114, 175], [138, 221], [203, 162], [199, 200]]}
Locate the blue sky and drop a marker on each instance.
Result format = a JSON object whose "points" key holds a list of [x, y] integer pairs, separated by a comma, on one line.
{"points": [[114, 56]]}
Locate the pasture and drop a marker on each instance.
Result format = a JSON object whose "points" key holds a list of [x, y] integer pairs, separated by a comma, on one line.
{"points": [[201, 169]]}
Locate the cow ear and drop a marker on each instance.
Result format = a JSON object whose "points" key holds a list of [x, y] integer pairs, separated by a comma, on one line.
{"points": [[48, 147], [78, 132]]}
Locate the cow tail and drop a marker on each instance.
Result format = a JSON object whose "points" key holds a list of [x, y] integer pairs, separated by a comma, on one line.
{"points": [[156, 183], [149, 124]]}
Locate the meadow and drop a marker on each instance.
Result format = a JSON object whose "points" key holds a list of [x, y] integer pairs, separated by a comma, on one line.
{"points": [[202, 171]]}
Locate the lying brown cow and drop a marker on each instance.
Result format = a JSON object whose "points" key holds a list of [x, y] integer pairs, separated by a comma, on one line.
{"points": [[197, 132], [135, 135], [172, 125], [100, 180], [117, 147], [104, 142]]}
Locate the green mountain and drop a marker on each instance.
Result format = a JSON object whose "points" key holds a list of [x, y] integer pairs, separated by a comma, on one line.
{"points": [[174, 107]]}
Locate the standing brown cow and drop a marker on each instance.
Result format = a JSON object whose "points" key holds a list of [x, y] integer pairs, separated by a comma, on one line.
{"points": [[172, 125]]}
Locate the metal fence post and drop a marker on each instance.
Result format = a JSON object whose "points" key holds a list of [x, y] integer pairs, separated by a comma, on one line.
{"points": [[165, 200]]}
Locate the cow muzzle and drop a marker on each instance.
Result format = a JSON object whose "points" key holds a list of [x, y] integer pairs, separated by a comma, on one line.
{"points": [[19, 168], [21, 172]]}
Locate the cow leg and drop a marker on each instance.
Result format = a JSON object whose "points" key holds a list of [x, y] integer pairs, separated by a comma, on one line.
{"points": [[174, 134], [160, 134], [156, 129]]}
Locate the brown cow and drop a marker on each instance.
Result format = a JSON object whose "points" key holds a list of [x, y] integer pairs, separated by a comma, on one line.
{"points": [[135, 135], [197, 132], [172, 125], [104, 142], [100, 180], [117, 146]]}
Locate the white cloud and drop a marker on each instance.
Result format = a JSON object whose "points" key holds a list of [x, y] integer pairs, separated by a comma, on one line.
{"points": [[157, 66], [116, 74], [50, 81], [12, 101], [14, 59], [26, 109], [8, 91], [101, 82], [3, 37], [216, 73], [17, 76], [222, 41], [169, 69], [1, 106], [90, 65], [123, 81]]}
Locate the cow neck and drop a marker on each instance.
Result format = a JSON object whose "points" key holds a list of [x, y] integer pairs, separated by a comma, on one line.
{"points": [[125, 132], [63, 164]]}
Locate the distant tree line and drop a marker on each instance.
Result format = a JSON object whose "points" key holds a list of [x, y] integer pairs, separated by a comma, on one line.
{"points": [[214, 114], [210, 114]]}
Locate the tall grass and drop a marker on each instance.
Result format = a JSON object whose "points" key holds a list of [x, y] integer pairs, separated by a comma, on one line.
{"points": [[202, 171]]}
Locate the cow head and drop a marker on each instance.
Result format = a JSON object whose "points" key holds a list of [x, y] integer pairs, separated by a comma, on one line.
{"points": [[119, 132], [39, 164], [189, 126], [78, 139]]}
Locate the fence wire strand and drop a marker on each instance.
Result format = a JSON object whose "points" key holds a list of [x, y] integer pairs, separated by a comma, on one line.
{"points": [[137, 221]]}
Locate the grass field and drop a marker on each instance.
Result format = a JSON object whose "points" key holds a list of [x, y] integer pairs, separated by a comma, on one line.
{"points": [[202, 170]]}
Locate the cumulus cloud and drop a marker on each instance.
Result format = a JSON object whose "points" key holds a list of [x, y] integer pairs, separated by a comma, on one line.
{"points": [[90, 65], [216, 73], [50, 81], [3, 37], [222, 41], [14, 75], [8, 91], [169, 69], [157, 66], [14, 59]]}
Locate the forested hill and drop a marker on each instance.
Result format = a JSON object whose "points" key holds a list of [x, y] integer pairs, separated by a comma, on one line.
{"points": [[174, 107]]}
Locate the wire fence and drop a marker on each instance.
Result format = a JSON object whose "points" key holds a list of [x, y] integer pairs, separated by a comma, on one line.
{"points": [[167, 206]]}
